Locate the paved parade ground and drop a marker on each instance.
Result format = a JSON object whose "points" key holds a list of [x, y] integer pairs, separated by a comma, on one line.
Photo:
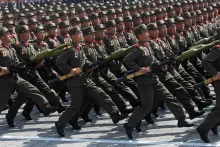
{"points": [[40, 132]]}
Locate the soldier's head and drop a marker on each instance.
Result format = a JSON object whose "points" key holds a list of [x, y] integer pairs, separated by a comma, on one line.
{"points": [[152, 16], [210, 12], [162, 29], [152, 30], [32, 23], [76, 34], [103, 17], [199, 16], [10, 25], [159, 14], [128, 22], [81, 12], [76, 21], [23, 33], [195, 5], [99, 31], [185, 6], [64, 27], [55, 18], [40, 33], [119, 13], [145, 17], [5, 36], [111, 27], [170, 11], [89, 34], [120, 24], [126, 11], [111, 14], [85, 22], [141, 33], [171, 26], [51, 29], [94, 19], [205, 14], [137, 19], [177, 7], [187, 19], [63, 15], [179, 23]]}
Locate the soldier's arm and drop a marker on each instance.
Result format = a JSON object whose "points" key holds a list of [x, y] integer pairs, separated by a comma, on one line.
{"points": [[109, 46], [129, 60], [62, 61], [209, 60]]}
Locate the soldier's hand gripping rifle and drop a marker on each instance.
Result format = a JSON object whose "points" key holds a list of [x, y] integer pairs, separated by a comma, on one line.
{"points": [[206, 82], [185, 55], [12, 69]]}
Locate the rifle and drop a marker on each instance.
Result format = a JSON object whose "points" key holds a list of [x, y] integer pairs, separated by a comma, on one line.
{"points": [[79, 71], [206, 82], [185, 55]]}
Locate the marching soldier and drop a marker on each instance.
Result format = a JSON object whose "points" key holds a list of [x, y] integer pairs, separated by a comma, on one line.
{"points": [[148, 84], [10, 80], [212, 66], [68, 62], [25, 52]]}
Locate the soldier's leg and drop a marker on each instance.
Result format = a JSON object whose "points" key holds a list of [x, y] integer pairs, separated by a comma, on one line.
{"points": [[76, 94], [133, 86], [5, 92], [146, 96], [197, 99], [115, 96], [214, 116], [50, 94], [102, 98], [174, 106], [181, 94], [198, 78]]}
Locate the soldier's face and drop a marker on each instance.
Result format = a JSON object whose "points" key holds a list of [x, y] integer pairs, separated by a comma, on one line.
{"points": [[153, 18], [126, 13], [40, 35], [112, 30], [195, 6], [171, 13], [180, 26], [153, 33], [25, 36], [119, 15], [111, 17], [171, 29], [90, 37], [188, 22], [201, 5], [52, 32], [162, 30], [146, 20], [137, 21], [159, 16], [199, 18], [185, 8], [64, 30], [144, 36], [129, 24], [6, 38], [77, 38], [100, 34], [95, 22], [121, 26]]}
